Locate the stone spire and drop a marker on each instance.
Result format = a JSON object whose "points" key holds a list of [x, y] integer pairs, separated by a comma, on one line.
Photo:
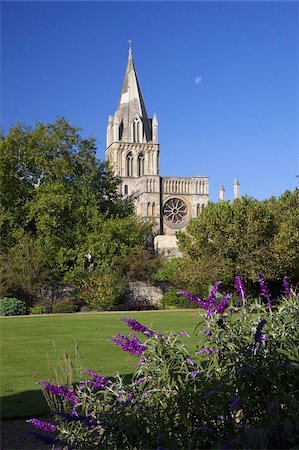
{"points": [[155, 129], [132, 108], [221, 193], [236, 188]]}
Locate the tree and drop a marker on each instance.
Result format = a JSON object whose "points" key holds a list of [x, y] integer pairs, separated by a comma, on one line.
{"points": [[58, 195], [242, 238]]}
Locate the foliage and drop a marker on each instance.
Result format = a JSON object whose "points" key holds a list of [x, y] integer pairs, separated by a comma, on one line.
{"points": [[12, 307], [59, 206], [239, 389], [64, 306], [172, 300], [167, 272], [92, 331], [102, 289], [24, 269], [242, 237], [38, 310], [139, 264], [78, 303]]}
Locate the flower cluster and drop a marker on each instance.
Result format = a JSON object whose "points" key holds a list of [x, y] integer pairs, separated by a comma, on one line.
{"points": [[209, 305], [228, 374], [98, 381], [264, 291], [286, 287], [240, 288], [206, 351], [45, 426], [136, 326], [57, 389], [133, 345]]}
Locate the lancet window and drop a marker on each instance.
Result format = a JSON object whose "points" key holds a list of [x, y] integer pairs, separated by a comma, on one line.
{"points": [[140, 165], [129, 164], [137, 130]]}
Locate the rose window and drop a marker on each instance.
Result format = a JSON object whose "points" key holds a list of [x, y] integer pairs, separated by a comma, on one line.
{"points": [[175, 211]]}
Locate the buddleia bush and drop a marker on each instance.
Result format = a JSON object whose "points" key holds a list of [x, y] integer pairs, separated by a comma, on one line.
{"points": [[239, 389]]}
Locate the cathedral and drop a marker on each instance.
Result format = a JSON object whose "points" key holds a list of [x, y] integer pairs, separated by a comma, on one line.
{"points": [[133, 151]]}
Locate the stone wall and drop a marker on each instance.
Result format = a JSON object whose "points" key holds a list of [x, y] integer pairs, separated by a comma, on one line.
{"points": [[140, 295], [167, 246], [53, 293]]}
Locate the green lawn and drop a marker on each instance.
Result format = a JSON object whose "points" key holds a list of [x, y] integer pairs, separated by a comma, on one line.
{"points": [[27, 350]]}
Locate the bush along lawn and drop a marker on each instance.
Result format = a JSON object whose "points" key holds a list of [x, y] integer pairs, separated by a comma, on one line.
{"points": [[238, 389]]}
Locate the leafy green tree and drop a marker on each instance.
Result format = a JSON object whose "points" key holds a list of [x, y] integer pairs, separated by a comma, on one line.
{"points": [[24, 269], [140, 264], [55, 193], [242, 238], [102, 289]]}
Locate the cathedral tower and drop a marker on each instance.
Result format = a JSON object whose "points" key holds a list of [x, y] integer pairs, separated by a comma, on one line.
{"points": [[132, 146], [133, 151]]}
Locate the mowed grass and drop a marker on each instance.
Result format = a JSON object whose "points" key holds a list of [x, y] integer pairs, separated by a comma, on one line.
{"points": [[28, 350]]}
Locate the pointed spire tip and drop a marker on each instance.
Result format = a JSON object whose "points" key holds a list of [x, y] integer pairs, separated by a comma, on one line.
{"points": [[130, 46]]}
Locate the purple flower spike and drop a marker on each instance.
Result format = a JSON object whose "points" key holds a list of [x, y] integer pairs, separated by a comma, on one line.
{"points": [[194, 374], [45, 426], [183, 333], [133, 345], [240, 288], [209, 304], [136, 326], [221, 307], [196, 300], [214, 292], [286, 287], [206, 351], [264, 292], [139, 381], [98, 381], [189, 361], [61, 390], [259, 338]]}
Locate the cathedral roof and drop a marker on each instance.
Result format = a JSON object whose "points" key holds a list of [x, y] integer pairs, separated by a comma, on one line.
{"points": [[131, 103]]}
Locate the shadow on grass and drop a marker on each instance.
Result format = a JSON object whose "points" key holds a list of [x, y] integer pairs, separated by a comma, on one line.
{"points": [[31, 403], [24, 404]]}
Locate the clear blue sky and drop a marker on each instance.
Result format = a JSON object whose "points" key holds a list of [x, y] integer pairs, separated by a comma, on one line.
{"points": [[222, 78]]}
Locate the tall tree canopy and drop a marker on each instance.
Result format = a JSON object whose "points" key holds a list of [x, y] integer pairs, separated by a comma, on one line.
{"points": [[59, 202], [243, 238]]}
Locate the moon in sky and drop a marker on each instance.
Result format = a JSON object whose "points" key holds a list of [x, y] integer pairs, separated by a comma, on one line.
{"points": [[198, 80]]}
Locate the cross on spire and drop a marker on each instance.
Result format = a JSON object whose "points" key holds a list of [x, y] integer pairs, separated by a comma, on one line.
{"points": [[130, 45]]}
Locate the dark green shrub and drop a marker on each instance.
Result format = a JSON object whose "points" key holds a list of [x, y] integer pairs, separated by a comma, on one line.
{"points": [[172, 300], [11, 306], [78, 303], [38, 310], [64, 306]]}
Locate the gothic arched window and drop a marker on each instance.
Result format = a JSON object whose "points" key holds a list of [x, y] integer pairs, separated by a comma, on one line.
{"points": [[154, 210], [126, 190], [140, 165], [129, 164], [137, 130]]}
